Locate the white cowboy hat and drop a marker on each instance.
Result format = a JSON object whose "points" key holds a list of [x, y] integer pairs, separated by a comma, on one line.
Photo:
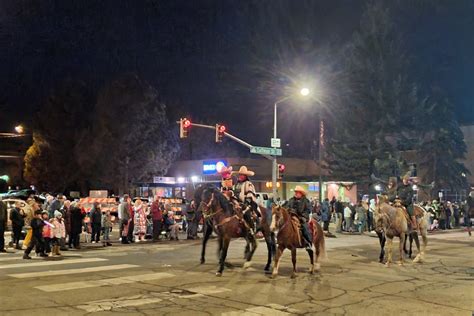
{"points": [[299, 188], [243, 170]]}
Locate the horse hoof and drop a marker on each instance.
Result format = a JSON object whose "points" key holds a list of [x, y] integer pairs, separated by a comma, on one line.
{"points": [[293, 275], [274, 275], [203, 261], [387, 264], [267, 269], [247, 264], [218, 274], [400, 263], [317, 267]]}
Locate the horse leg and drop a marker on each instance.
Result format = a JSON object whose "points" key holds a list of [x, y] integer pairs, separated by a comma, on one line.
{"points": [[405, 246], [311, 259], [417, 243], [268, 241], [293, 260], [400, 247], [252, 243], [279, 253], [247, 250], [389, 250], [223, 254], [382, 245], [207, 234]]}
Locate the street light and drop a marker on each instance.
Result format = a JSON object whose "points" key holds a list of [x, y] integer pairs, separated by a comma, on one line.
{"points": [[304, 92], [19, 129]]}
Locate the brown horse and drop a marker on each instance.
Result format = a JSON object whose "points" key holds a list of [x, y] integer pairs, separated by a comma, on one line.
{"points": [[391, 221], [220, 218], [289, 237]]}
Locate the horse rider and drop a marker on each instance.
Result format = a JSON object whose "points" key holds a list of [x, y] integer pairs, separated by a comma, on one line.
{"points": [[392, 189], [301, 207], [245, 192], [226, 181], [405, 194]]}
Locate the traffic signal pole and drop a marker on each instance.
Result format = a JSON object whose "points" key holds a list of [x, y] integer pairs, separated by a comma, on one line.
{"points": [[234, 138]]}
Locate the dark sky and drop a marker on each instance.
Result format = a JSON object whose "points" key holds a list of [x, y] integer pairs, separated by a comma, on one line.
{"points": [[191, 50]]}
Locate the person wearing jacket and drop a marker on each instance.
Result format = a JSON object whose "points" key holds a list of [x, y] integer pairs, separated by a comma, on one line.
{"points": [[325, 214], [37, 225], [58, 231], [17, 218], [76, 218], [124, 216], [96, 219], [157, 217], [107, 227], [3, 224], [46, 249], [301, 207]]}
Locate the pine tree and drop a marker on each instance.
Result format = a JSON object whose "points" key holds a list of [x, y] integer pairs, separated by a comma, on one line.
{"points": [[378, 113], [131, 139], [443, 148]]}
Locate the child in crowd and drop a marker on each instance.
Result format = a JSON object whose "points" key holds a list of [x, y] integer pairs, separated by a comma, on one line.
{"points": [[37, 234], [46, 234], [107, 227], [58, 231]]}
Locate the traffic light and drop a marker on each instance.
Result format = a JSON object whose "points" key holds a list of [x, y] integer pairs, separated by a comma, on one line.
{"points": [[220, 132], [281, 170], [184, 125]]}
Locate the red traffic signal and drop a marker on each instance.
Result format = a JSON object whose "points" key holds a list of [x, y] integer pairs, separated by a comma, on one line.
{"points": [[281, 170], [220, 132], [184, 125]]}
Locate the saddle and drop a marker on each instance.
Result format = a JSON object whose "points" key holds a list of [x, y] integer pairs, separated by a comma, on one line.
{"points": [[296, 224], [398, 204]]}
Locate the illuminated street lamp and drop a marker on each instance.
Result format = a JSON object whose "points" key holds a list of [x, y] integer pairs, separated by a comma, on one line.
{"points": [[19, 129], [304, 92]]}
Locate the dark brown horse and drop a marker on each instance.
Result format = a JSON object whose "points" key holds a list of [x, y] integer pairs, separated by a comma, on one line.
{"points": [[225, 222], [289, 237]]}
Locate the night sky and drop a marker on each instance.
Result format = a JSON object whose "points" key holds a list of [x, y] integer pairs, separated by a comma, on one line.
{"points": [[193, 52]]}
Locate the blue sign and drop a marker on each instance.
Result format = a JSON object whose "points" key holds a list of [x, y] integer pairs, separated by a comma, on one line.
{"points": [[210, 167]]}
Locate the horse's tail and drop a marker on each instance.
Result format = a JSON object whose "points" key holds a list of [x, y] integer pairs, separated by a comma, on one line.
{"points": [[319, 241]]}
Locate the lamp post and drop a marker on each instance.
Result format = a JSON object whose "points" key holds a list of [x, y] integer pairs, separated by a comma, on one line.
{"points": [[304, 92]]}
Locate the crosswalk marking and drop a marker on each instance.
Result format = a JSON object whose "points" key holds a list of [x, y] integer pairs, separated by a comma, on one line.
{"points": [[73, 271], [51, 263], [104, 282], [107, 305], [12, 258]]}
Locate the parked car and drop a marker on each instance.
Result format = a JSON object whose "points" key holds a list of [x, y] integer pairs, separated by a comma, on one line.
{"points": [[18, 194]]}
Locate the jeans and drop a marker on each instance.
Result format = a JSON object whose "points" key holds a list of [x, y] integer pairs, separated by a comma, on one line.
{"points": [[74, 240], [106, 234], [348, 224], [338, 222], [95, 232], [326, 226], [16, 235], [156, 229], [2, 236], [362, 225], [370, 221]]}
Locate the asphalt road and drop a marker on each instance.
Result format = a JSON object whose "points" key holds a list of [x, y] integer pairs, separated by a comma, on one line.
{"points": [[166, 279]]}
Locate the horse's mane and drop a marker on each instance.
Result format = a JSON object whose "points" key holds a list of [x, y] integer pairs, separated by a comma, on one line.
{"points": [[217, 195]]}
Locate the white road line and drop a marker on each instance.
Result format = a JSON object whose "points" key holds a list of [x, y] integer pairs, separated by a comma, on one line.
{"points": [[107, 305], [72, 271], [36, 258], [51, 263], [104, 282]]}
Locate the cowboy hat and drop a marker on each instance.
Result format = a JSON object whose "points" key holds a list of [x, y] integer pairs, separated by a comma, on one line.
{"points": [[299, 188], [243, 170]]}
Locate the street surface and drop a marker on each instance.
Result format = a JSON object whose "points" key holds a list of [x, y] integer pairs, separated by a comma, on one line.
{"points": [[166, 278]]}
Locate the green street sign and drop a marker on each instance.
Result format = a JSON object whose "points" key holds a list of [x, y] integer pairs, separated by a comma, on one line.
{"points": [[266, 151]]}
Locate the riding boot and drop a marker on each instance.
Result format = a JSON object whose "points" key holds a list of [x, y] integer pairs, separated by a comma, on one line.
{"points": [[414, 225]]}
